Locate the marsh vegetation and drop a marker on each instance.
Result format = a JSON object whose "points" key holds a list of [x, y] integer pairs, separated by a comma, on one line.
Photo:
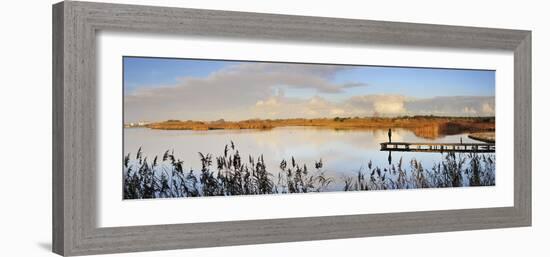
{"points": [[422, 126], [232, 173]]}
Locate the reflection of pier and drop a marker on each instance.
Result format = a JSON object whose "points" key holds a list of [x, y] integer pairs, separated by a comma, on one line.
{"points": [[437, 147]]}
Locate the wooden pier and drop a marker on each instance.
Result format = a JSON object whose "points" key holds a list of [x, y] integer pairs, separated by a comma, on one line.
{"points": [[437, 147]]}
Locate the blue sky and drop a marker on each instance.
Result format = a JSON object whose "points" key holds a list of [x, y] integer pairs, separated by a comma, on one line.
{"points": [[151, 72], [284, 85], [418, 82], [422, 82]]}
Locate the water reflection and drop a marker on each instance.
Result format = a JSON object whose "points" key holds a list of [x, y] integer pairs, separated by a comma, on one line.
{"points": [[343, 152]]}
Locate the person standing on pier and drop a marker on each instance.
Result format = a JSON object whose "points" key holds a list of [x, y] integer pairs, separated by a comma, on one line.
{"points": [[389, 135]]}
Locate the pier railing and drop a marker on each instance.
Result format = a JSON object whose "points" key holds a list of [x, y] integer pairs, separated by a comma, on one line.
{"points": [[437, 147]]}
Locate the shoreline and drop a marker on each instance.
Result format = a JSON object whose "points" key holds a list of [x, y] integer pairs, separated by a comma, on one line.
{"points": [[487, 137], [423, 126]]}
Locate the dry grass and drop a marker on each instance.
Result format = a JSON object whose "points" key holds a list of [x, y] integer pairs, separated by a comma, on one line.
{"points": [[422, 126]]}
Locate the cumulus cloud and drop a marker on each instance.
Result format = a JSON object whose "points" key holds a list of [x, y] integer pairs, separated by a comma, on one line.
{"points": [[229, 91], [380, 104], [284, 107], [488, 108], [453, 105], [374, 105]]}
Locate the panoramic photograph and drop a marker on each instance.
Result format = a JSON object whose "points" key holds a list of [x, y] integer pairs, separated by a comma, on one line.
{"points": [[197, 128]]}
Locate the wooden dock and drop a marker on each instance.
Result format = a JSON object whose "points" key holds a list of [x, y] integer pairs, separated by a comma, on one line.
{"points": [[437, 147]]}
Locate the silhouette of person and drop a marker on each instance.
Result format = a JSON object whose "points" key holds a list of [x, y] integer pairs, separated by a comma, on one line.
{"points": [[389, 134], [460, 140]]}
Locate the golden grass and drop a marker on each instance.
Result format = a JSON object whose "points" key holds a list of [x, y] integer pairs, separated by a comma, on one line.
{"points": [[423, 126]]}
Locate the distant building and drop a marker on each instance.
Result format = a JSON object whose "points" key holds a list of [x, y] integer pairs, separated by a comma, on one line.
{"points": [[136, 124]]}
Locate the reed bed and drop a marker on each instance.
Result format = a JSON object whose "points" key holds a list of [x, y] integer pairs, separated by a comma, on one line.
{"points": [[455, 170], [225, 175], [232, 174]]}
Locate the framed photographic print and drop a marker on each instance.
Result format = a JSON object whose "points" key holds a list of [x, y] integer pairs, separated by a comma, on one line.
{"points": [[182, 128]]}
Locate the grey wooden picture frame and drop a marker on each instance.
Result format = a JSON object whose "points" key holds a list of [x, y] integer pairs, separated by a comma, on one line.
{"points": [[75, 25]]}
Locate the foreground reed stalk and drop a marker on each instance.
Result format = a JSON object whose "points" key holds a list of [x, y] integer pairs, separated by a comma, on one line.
{"points": [[455, 170], [229, 174]]}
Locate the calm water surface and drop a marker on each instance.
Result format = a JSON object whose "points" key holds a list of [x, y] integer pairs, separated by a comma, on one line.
{"points": [[343, 152]]}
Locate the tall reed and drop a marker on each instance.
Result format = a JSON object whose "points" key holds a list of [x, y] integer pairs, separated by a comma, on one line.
{"points": [[229, 174], [455, 170]]}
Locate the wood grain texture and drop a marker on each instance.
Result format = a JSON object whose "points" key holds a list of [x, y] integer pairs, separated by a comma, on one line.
{"points": [[58, 230], [75, 25], [522, 129]]}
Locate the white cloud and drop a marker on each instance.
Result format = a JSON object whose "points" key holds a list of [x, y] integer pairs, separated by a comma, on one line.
{"points": [[469, 110], [380, 104], [453, 105], [228, 92], [488, 109]]}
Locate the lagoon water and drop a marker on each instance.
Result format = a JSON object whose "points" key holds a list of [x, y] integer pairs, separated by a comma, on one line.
{"points": [[343, 152]]}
